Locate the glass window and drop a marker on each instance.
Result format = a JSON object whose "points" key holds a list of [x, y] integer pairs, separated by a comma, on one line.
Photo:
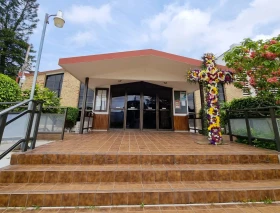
{"points": [[54, 83], [221, 93], [180, 102], [101, 99], [90, 95]]}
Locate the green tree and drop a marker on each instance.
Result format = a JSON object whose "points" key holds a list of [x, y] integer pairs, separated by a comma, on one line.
{"points": [[9, 90], [44, 94], [257, 63], [18, 19]]}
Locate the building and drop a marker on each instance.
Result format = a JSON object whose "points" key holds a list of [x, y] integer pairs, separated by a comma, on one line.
{"points": [[145, 89]]}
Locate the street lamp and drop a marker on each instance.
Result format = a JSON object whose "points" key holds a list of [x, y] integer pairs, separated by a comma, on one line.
{"points": [[58, 22]]}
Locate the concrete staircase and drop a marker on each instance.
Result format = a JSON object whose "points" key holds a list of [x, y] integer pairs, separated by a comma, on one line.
{"points": [[134, 179]]}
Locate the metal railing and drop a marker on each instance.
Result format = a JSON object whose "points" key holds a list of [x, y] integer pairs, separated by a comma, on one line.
{"points": [[34, 108], [195, 123], [89, 116], [248, 123], [53, 127]]}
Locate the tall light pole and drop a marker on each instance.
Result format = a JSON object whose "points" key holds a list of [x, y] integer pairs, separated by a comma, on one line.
{"points": [[58, 22]]}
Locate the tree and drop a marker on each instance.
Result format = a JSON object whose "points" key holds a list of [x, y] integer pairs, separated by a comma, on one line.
{"points": [[257, 63], [44, 94], [18, 19], [9, 90]]}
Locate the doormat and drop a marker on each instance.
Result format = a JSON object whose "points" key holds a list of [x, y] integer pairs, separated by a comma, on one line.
{"points": [[207, 143]]}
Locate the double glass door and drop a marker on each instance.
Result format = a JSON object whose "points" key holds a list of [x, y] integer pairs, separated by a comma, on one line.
{"points": [[141, 111]]}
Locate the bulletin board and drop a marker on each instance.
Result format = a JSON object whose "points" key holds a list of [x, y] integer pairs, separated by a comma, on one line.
{"points": [[180, 102]]}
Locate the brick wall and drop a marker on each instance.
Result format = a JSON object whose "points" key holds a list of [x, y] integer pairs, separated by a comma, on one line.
{"points": [[70, 90], [70, 86], [29, 79]]}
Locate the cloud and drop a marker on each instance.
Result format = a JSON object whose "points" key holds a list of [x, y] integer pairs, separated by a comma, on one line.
{"points": [[82, 39], [82, 14], [186, 30]]}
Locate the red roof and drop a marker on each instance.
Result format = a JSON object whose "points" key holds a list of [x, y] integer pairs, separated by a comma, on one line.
{"points": [[135, 53]]}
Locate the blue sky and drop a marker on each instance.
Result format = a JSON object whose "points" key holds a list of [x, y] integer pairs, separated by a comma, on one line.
{"points": [[187, 28]]}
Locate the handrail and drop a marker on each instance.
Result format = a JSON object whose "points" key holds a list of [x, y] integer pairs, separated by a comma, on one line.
{"points": [[32, 110], [17, 117], [5, 111], [12, 148], [2, 103]]}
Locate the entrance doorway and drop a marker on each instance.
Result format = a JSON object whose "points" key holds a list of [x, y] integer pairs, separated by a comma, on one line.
{"points": [[142, 106]]}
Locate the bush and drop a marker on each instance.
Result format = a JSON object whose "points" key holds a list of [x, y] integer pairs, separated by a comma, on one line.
{"points": [[9, 91], [72, 116], [44, 94], [244, 103]]}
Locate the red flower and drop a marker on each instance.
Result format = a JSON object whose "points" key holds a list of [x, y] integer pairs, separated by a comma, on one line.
{"points": [[272, 80], [253, 54], [273, 42], [265, 46]]}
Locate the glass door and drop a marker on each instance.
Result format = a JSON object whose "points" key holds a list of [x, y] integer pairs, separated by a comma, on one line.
{"points": [[149, 112], [165, 118], [133, 112], [117, 110]]}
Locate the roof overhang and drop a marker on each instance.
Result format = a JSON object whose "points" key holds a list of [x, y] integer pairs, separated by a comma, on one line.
{"points": [[125, 67]]}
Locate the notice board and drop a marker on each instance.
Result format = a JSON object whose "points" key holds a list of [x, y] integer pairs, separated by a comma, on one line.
{"points": [[180, 102]]}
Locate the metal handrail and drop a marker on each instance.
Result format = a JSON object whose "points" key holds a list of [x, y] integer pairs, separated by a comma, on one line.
{"points": [[32, 111], [272, 115], [5, 111]]}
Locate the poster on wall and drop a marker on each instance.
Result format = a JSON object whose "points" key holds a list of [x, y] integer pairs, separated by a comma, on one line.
{"points": [[183, 98], [180, 102], [177, 104]]}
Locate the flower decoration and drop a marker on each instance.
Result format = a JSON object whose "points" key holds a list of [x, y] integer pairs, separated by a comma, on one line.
{"points": [[212, 76]]}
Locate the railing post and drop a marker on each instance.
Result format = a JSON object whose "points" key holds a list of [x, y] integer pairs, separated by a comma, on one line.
{"points": [[84, 106], [248, 128], [229, 126], [29, 127], [3, 120], [275, 128], [194, 122], [63, 127], [37, 123]]}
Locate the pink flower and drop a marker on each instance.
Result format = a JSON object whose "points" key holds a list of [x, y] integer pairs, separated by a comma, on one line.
{"points": [[252, 81], [272, 80]]}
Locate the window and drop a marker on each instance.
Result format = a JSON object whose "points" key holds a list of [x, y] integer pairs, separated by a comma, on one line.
{"points": [[221, 93], [191, 106], [101, 99], [180, 102], [54, 83], [90, 94]]}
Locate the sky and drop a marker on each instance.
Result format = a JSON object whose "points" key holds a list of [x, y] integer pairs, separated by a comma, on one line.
{"points": [[184, 27]]}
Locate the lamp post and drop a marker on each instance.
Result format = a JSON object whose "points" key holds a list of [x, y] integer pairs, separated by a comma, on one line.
{"points": [[58, 22]]}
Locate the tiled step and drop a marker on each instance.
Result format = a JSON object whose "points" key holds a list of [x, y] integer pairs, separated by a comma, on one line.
{"points": [[16, 195], [149, 159], [188, 208], [137, 173]]}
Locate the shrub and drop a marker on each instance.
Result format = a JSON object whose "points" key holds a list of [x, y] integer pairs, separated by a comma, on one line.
{"points": [[72, 115], [244, 103], [9, 90], [44, 94]]}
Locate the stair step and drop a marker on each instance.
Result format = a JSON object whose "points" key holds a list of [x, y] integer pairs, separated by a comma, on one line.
{"points": [[181, 208], [134, 193], [137, 173], [150, 159]]}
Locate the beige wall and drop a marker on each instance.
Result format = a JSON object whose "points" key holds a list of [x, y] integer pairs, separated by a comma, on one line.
{"points": [[69, 91], [29, 79], [231, 92]]}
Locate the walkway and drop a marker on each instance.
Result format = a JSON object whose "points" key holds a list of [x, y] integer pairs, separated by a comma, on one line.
{"points": [[145, 142]]}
